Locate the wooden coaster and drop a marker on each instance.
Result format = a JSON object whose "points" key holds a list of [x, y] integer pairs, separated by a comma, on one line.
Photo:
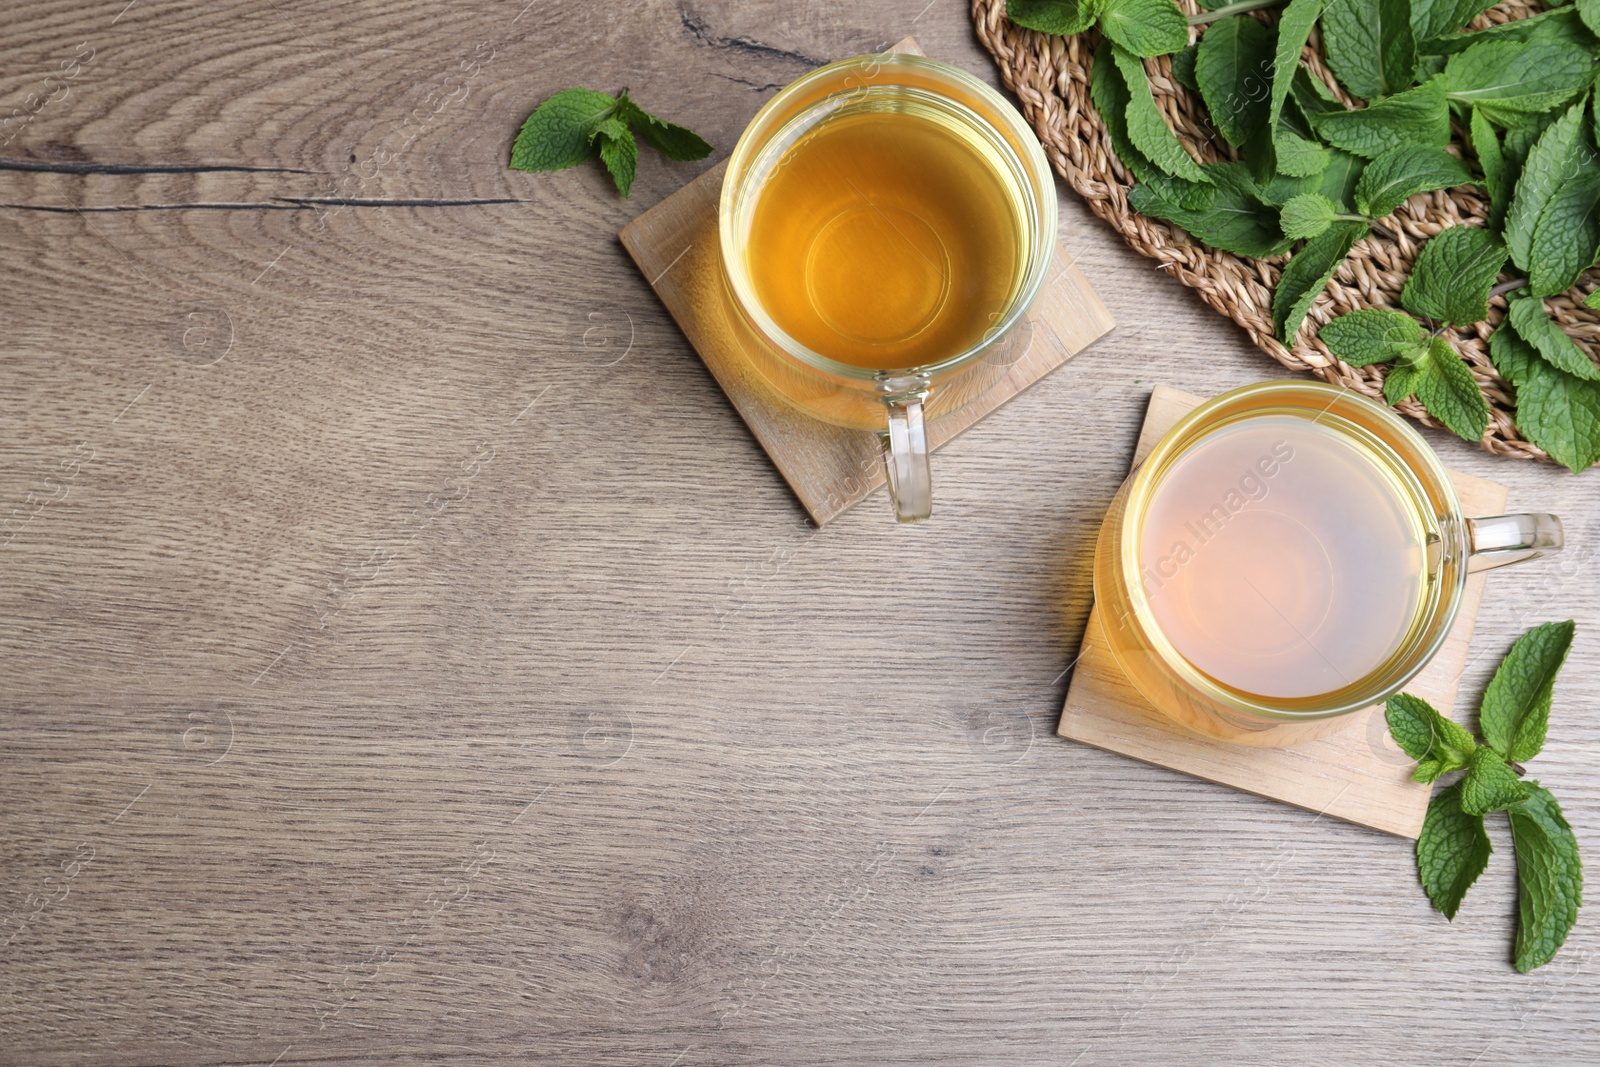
{"points": [[1357, 774], [830, 468]]}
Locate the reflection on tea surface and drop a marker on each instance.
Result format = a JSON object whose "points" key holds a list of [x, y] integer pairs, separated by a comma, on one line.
{"points": [[886, 237], [1282, 559]]}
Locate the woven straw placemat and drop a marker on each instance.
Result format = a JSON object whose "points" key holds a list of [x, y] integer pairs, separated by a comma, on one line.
{"points": [[1050, 77]]}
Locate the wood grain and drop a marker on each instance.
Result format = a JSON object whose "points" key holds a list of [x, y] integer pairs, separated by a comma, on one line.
{"points": [[433, 685], [1357, 773]]}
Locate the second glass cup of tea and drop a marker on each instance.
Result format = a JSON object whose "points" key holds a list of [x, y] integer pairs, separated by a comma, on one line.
{"points": [[1288, 553], [886, 224]]}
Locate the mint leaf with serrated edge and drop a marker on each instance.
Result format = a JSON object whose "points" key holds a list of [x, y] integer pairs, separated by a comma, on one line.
{"points": [[1371, 335], [1401, 173], [560, 132], [1566, 238], [1307, 273], [1550, 162], [1486, 145], [1437, 743], [1233, 68], [1557, 411], [1145, 27], [1236, 220], [575, 125], [1549, 877], [1452, 850], [1307, 215], [1369, 45], [1489, 784], [1453, 274], [1147, 128], [1054, 16], [1533, 324], [674, 142], [1450, 393], [1110, 95], [1416, 117], [1516, 706], [1435, 18], [1542, 72], [1592, 300], [1294, 155], [1183, 67], [1407, 372]]}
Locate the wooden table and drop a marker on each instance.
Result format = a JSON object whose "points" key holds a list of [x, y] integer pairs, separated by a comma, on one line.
{"points": [[409, 657]]}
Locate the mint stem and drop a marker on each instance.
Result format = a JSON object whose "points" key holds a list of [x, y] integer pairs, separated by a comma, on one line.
{"points": [[1508, 287], [1522, 772], [1232, 9]]}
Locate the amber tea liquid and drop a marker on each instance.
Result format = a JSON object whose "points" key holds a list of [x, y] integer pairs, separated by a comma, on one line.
{"points": [[1282, 558], [886, 235]]}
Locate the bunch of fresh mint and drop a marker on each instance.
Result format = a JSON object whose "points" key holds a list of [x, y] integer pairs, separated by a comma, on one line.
{"points": [[576, 125], [1453, 848], [1299, 166]]}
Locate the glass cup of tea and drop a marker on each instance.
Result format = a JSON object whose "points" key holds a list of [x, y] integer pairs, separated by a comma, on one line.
{"points": [[886, 223], [1288, 553]]}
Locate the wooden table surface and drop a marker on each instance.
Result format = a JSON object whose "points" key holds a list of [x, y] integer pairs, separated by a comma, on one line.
{"points": [[408, 656]]}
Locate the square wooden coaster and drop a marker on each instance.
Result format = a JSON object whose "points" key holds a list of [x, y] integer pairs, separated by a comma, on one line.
{"points": [[1357, 774], [830, 468]]}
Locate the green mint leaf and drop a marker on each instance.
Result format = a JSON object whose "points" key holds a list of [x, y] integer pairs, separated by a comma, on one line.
{"points": [[1294, 154], [1401, 173], [1237, 220], [1450, 393], [1557, 411], [1110, 95], [1369, 45], [1415, 118], [1402, 380], [1549, 877], [1449, 43], [1337, 183], [1435, 18], [1371, 335], [1233, 67], [1065, 17], [1424, 734], [1307, 215], [1145, 27], [1544, 71], [1490, 785], [1183, 67], [1307, 273], [560, 132], [620, 153], [1486, 144], [1516, 706], [1454, 272], [1592, 300], [1550, 162], [1312, 93], [1589, 11], [1528, 317], [674, 142], [1147, 127], [1452, 850], [1566, 239]]}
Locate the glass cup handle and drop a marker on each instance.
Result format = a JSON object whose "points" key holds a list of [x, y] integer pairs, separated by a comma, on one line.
{"points": [[905, 449], [1511, 539]]}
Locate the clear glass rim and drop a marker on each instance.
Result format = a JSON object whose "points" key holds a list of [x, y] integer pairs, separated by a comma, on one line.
{"points": [[1039, 187], [1174, 442]]}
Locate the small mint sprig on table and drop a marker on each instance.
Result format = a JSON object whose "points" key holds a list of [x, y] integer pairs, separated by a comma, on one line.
{"points": [[1453, 848], [577, 125]]}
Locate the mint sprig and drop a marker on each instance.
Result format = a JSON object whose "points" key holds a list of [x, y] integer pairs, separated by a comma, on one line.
{"points": [[577, 125], [1512, 108], [1453, 848]]}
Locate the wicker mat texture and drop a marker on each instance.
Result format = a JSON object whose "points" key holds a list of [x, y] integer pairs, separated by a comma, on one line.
{"points": [[1050, 77]]}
